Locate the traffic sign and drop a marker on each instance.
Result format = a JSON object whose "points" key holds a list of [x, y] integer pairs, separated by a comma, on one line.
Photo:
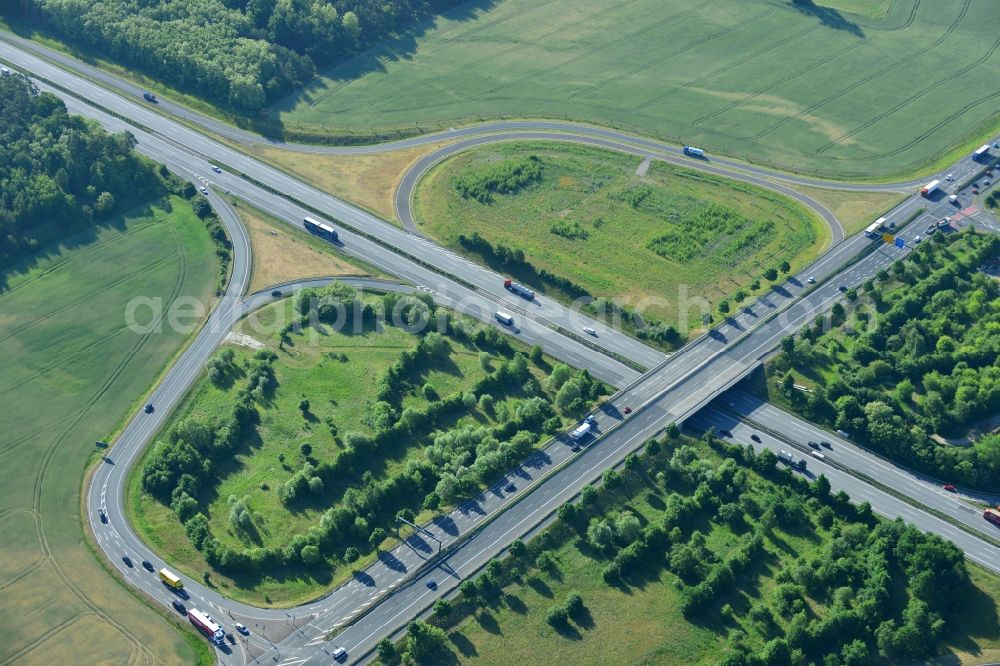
{"points": [[899, 242]]}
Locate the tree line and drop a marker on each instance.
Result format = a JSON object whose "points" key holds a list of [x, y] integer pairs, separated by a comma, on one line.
{"points": [[239, 53], [925, 361], [59, 172], [873, 588], [359, 510]]}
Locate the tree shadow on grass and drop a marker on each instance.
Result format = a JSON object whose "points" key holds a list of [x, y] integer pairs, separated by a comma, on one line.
{"points": [[583, 618], [488, 622], [514, 603], [463, 644], [828, 17], [540, 586]]}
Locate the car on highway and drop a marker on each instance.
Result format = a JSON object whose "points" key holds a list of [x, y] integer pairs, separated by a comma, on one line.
{"points": [[589, 330], [178, 606], [230, 638], [917, 239], [575, 448], [216, 169], [755, 437], [340, 654], [949, 487], [147, 565], [149, 408], [811, 280], [627, 410], [104, 516], [950, 176], [242, 629], [510, 487], [204, 190], [826, 444], [814, 445], [842, 287], [591, 419], [432, 584], [127, 560], [276, 293]]}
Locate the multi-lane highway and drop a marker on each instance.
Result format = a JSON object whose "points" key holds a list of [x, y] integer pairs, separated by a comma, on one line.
{"points": [[675, 389]]}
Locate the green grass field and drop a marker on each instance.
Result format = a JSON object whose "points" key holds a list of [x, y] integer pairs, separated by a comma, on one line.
{"points": [[341, 392], [638, 620], [899, 87], [71, 371], [658, 241]]}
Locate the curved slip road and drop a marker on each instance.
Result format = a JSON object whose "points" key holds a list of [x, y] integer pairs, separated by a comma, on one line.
{"points": [[679, 386]]}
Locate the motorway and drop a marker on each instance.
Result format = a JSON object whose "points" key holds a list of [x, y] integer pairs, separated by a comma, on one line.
{"points": [[680, 385]]}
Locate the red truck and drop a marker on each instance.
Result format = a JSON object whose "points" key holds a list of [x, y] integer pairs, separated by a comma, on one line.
{"points": [[992, 515], [518, 289]]}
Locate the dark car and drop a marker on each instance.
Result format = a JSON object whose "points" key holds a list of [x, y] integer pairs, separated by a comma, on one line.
{"points": [[813, 445], [149, 408], [276, 293], [147, 565], [149, 97], [755, 437], [575, 448], [510, 487], [725, 433], [949, 487], [127, 560], [104, 516], [627, 410], [231, 638], [842, 287], [826, 444], [178, 606], [432, 584]]}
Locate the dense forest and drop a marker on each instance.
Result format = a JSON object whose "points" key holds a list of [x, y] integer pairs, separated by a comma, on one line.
{"points": [[239, 53], [911, 365], [59, 170]]}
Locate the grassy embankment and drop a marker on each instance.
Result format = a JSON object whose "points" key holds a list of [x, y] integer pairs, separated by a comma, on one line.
{"points": [[71, 371], [338, 373], [671, 237]]}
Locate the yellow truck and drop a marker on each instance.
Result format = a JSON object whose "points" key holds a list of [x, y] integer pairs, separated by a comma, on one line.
{"points": [[170, 579]]}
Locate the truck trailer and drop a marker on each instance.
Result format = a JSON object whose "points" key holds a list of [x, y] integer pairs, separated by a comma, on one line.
{"points": [[207, 626], [790, 460], [982, 152], [930, 188], [694, 152], [519, 289], [992, 515], [320, 229]]}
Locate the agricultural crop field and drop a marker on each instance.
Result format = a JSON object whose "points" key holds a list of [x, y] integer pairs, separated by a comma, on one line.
{"points": [[805, 87], [666, 243], [687, 558], [392, 421], [71, 368]]}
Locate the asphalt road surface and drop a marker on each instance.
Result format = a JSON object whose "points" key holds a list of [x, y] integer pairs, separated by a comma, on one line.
{"points": [[680, 386]]}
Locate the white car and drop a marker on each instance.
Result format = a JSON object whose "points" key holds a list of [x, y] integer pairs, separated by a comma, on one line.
{"points": [[242, 629], [917, 239], [204, 190], [811, 280], [339, 654], [590, 331], [217, 169], [950, 176]]}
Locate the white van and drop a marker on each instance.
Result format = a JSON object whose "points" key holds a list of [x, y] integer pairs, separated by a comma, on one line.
{"points": [[504, 318], [817, 455]]}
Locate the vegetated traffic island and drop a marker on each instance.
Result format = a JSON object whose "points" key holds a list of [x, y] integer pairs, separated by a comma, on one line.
{"points": [[288, 463], [700, 552], [95, 255], [576, 222], [910, 364]]}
